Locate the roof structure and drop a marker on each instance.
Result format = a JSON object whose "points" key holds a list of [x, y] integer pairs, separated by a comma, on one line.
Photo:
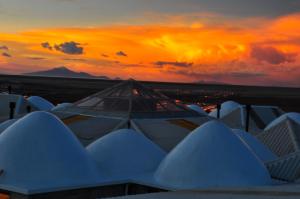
{"points": [[130, 99], [4, 125], [293, 116], [234, 115], [286, 191], [226, 108], [167, 133], [61, 106], [282, 135], [209, 157], [39, 154], [286, 168], [197, 108], [40, 103], [131, 105], [125, 153], [262, 151]]}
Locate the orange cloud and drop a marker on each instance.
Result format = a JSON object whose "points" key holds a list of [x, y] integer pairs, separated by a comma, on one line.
{"points": [[225, 51]]}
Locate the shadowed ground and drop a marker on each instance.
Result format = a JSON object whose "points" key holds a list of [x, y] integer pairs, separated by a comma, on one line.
{"points": [[58, 90]]}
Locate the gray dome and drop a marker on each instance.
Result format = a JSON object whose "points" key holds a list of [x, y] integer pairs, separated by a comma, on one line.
{"points": [[40, 103], [38, 153], [211, 156], [125, 153], [226, 108]]}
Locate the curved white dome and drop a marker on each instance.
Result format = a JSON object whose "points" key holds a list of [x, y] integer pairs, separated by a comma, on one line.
{"points": [[6, 124], [256, 146], [125, 153], [61, 106], [226, 108], [211, 156], [293, 116], [39, 153], [40, 103], [196, 108]]}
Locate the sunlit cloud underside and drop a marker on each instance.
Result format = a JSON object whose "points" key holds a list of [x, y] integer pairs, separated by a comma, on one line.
{"points": [[181, 48]]}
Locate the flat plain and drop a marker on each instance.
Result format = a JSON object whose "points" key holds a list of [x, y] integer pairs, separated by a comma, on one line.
{"points": [[58, 90]]}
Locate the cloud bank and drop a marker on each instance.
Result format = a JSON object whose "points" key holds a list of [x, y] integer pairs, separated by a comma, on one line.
{"points": [[178, 64], [236, 51], [4, 54], [271, 55], [4, 48], [71, 48]]}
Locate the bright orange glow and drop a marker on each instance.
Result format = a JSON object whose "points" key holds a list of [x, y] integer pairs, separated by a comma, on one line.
{"points": [[4, 196], [232, 51]]}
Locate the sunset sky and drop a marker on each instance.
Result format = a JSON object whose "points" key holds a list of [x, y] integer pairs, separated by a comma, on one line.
{"points": [[253, 42]]}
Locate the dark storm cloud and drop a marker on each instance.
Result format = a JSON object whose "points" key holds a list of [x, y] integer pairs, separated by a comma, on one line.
{"points": [[272, 55], [72, 48], [121, 54], [4, 48], [46, 45], [268, 8], [178, 64], [6, 54], [90, 12]]}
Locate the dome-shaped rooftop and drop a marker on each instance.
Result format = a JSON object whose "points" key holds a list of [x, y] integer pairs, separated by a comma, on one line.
{"points": [[226, 108], [125, 153], [211, 156], [39, 154], [293, 116], [256, 146], [6, 124], [40, 103], [196, 108]]}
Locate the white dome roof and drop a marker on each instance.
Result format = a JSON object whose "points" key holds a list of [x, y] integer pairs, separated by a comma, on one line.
{"points": [[196, 108], [39, 154], [211, 156], [40, 103], [293, 116], [61, 106], [256, 146], [6, 124], [125, 153], [226, 108]]}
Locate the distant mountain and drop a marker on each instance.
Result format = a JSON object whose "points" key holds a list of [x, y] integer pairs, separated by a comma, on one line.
{"points": [[65, 72]]}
